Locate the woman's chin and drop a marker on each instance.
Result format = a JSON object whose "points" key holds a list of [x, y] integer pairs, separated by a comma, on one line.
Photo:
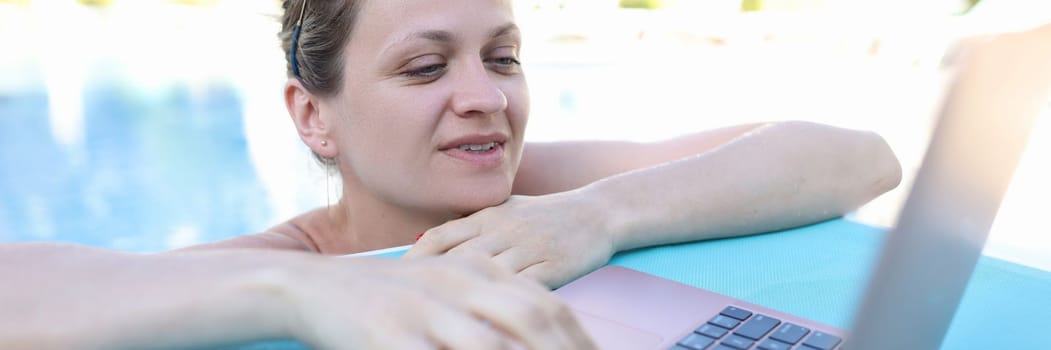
{"points": [[470, 204]]}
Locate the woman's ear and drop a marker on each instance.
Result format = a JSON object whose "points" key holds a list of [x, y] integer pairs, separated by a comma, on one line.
{"points": [[304, 108]]}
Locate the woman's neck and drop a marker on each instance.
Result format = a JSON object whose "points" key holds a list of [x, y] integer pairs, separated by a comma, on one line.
{"points": [[361, 222]]}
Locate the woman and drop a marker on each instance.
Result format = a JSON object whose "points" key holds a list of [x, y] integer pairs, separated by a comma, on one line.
{"points": [[422, 106]]}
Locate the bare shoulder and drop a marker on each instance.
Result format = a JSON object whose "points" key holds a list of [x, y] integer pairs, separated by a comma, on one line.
{"points": [[300, 227], [289, 235]]}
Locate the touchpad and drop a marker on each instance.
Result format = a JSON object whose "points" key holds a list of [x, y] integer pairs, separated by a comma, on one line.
{"points": [[609, 334]]}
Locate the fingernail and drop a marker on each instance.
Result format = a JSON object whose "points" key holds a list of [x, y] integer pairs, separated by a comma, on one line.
{"points": [[419, 236]]}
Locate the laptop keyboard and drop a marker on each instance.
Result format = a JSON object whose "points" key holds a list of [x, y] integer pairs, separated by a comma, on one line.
{"points": [[739, 329]]}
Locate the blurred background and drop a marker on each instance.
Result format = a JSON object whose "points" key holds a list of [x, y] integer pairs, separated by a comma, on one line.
{"points": [[147, 125]]}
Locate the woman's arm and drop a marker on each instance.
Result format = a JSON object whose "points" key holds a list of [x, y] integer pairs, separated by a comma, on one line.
{"points": [[774, 177], [759, 179], [59, 296], [559, 166]]}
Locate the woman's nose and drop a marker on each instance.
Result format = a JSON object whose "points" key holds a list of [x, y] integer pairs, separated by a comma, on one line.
{"points": [[476, 93]]}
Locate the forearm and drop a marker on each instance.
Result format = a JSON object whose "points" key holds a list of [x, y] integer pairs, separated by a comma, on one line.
{"points": [[583, 162], [60, 296], [776, 177]]}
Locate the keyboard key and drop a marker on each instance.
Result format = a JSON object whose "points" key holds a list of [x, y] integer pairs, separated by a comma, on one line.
{"points": [[712, 331], [723, 347], [770, 344], [734, 312], [725, 322], [757, 327], [680, 347], [738, 342], [790, 333], [821, 340], [696, 341]]}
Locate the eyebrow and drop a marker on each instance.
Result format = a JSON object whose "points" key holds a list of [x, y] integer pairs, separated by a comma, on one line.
{"points": [[447, 37], [504, 30], [432, 35]]}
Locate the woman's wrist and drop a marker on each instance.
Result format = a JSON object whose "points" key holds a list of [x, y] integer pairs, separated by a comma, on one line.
{"points": [[270, 290], [315, 292], [601, 209]]}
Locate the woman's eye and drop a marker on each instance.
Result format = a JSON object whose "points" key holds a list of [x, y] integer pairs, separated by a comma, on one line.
{"points": [[507, 61], [426, 71], [505, 64]]}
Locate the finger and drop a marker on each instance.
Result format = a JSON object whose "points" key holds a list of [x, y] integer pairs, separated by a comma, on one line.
{"points": [[458, 329], [566, 323], [571, 330], [574, 333], [526, 316], [483, 265], [515, 258], [452, 275], [440, 239], [543, 273], [400, 342], [479, 245]]}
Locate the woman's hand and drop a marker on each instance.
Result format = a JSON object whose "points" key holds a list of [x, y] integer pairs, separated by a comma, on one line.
{"points": [[552, 239], [438, 302]]}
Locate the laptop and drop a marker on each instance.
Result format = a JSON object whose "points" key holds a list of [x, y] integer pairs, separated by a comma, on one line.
{"points": [[1001, 85]]}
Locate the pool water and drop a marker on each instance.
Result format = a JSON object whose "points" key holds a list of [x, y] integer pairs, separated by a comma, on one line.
{"points": [[153, 168]]}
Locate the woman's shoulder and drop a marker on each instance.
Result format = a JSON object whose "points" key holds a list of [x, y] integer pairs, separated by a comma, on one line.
{"points": [[285, 236], [295, 234], [303, 227]]}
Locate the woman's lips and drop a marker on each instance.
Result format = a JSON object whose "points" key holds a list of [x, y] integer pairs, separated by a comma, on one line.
{"points": [[483, 149], [480, 154]]}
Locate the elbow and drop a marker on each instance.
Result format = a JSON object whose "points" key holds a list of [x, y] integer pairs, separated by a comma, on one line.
{"points": [[862, 162], [866, 152], [885, 164], [875, 170]]}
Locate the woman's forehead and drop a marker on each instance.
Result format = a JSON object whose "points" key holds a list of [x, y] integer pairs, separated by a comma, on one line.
{"points": [[386, 22]]}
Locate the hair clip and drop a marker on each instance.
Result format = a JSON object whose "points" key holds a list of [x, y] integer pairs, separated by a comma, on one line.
{"points": [[295, 41]]}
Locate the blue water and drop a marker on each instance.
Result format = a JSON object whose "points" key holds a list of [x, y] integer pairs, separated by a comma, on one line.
{"points": [[151, 163]]}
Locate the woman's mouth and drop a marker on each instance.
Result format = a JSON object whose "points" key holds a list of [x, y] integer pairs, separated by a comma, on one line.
{"points": [[479, 148], [484, 155]]}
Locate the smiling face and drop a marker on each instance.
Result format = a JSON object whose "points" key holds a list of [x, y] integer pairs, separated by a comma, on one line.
{"points": [[433, 106]]}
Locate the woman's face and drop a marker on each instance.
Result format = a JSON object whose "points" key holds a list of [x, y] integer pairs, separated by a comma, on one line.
{"points": [[434, 104]]}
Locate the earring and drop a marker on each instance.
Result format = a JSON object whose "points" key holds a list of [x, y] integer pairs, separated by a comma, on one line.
{"points": [[324, 143]]}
